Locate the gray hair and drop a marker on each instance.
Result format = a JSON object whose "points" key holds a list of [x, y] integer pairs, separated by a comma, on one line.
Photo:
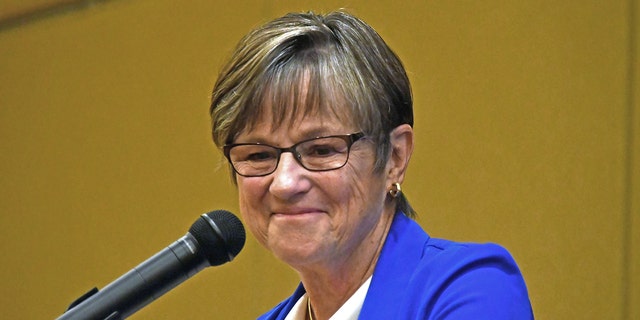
{"points": [[308, 64]]}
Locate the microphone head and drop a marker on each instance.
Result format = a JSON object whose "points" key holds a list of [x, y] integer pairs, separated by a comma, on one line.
{"points": [[220, 234]]}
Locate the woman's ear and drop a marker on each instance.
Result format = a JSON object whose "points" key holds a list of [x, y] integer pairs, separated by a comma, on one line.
{"points": [[401, 149]]}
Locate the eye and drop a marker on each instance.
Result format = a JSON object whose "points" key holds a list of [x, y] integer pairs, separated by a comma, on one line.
{"points": [[260, 156], [323, 148], [253, 153]]}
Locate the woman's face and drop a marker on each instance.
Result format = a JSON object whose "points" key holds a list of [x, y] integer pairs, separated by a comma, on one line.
{"points": [[313, 218]]}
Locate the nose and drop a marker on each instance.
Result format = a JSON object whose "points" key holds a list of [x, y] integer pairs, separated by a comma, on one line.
{"points": [[289, 178]]}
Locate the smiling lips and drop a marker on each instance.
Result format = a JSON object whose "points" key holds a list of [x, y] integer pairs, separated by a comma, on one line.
{"points": [[296, 212]]}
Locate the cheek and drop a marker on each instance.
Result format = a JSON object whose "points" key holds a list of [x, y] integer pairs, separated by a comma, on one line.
{"points": [[366, 185], [251, 208], [363, 193], [251, 192]]}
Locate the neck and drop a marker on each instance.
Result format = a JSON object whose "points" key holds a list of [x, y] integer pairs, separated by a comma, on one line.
{"points": [[330, 286]]}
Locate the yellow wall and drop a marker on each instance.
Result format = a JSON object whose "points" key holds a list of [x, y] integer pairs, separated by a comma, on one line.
{"points": [[527, 125]]}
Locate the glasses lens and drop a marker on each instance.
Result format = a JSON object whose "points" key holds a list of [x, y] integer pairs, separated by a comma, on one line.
{"points": [[253, 160], [319, 154], [323, 153]]}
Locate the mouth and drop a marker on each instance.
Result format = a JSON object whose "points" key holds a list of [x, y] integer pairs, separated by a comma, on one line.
{"points": [[296, 212]]}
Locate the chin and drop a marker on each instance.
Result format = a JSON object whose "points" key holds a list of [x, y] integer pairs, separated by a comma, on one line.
{"points": [[295, 254]]}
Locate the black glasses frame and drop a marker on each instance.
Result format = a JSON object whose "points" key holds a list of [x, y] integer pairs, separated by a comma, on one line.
{"points": [[350, 139]]}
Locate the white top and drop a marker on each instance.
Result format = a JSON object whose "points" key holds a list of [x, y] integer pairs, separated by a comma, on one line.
{"points": [[350, 310]]}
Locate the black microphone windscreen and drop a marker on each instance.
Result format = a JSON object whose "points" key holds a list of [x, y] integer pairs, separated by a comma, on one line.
{"points": [[225, 242]]}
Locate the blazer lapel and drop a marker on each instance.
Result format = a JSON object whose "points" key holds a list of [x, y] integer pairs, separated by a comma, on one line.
{"points": [[400, 255]]}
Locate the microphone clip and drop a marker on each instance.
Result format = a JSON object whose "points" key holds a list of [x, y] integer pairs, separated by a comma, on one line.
{"points": [[114, 316]]}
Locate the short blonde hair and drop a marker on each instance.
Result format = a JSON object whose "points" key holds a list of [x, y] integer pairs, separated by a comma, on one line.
{"points": [[308, 64]]}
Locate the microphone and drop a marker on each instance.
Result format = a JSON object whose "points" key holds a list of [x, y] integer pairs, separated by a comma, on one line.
{"points": [[215, 238]]}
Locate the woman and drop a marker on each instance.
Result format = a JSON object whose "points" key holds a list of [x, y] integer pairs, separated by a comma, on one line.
{"points": [[314, 114]]}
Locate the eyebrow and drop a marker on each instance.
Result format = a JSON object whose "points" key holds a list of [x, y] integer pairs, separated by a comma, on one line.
{"points": [[306, 134]]}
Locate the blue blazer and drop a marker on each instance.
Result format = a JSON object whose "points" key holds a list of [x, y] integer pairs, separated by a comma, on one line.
{"points": [[419, 277]]}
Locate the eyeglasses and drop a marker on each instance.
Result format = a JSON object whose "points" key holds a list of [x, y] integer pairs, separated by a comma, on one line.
{"points": [[317, 154]]}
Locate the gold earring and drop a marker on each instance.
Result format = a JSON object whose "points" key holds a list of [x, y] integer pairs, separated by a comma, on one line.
{"points": [[395, 190]]}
